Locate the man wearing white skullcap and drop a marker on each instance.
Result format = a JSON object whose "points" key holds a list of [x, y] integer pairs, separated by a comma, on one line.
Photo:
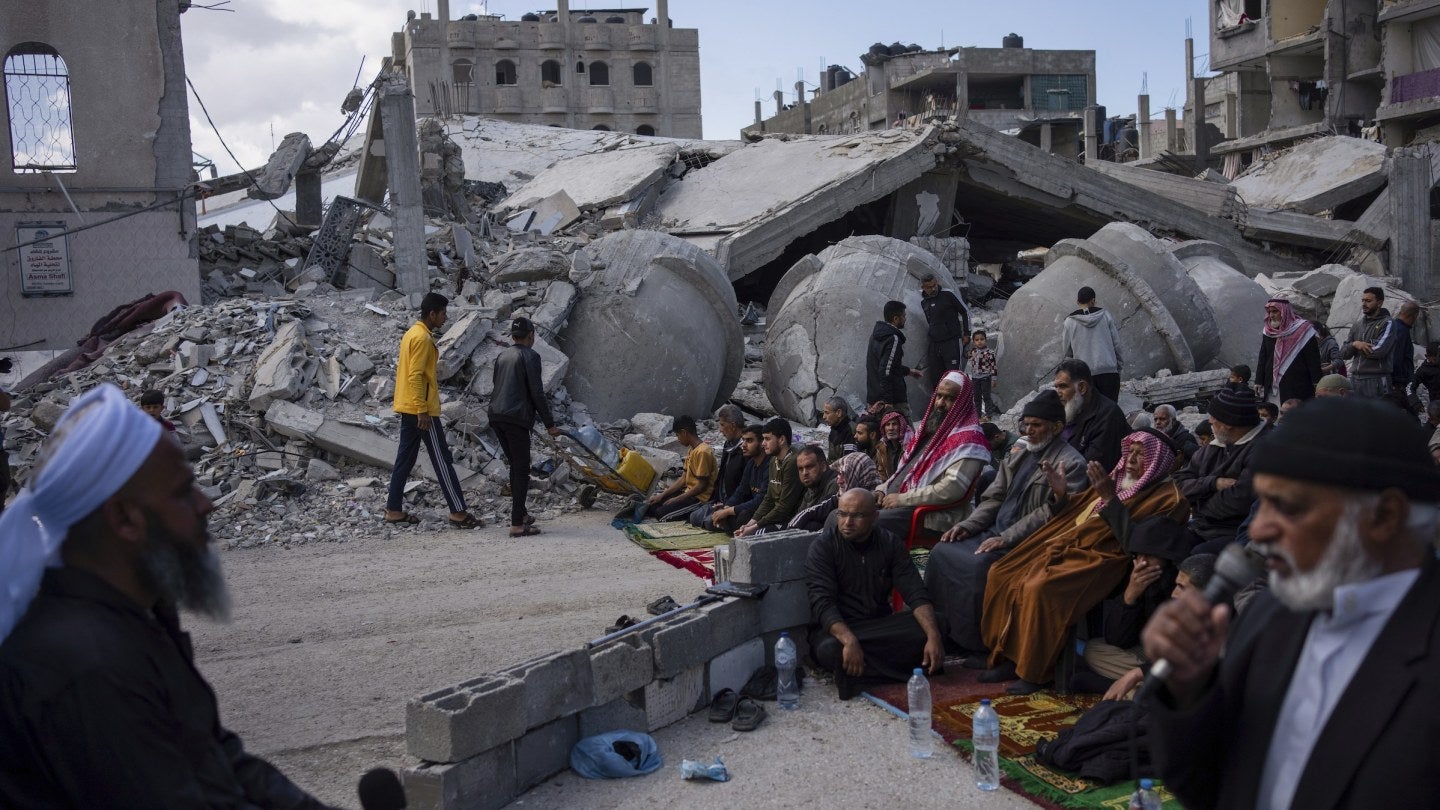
{"points": [[100, 701]]}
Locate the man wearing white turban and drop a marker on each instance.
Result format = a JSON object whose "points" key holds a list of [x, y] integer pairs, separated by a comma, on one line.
{"points": [[100, 701]]}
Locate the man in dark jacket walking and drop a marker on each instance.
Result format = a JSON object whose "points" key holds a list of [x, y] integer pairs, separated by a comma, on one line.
{"points": [[947, 330], [1094, 424], [885, 369], [517, 399]]}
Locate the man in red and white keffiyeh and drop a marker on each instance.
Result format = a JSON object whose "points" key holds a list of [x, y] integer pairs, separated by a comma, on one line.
{"points": [[947, 453], [1289, 363]]}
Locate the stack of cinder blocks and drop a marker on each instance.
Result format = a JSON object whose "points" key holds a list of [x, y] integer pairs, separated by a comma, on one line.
{"points": [[487, 740]]}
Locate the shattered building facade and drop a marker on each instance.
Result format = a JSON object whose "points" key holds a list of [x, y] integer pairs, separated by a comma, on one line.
{"points": [[603, 69], [74, 76], [1038, 95]]}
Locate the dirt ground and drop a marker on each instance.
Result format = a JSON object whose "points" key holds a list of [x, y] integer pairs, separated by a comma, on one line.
{"points": [[329, 640]]}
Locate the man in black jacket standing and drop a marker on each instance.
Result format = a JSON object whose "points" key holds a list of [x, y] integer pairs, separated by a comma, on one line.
{"points": [[1094, 424], [947, 330], [885, 369], [517, 399]]}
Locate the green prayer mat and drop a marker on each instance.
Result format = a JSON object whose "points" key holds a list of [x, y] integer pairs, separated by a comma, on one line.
{"points": [[675, 535]]}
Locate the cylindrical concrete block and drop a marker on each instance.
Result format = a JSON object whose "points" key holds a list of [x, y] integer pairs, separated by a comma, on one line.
{"points": [[655, 328], [822, 313], [1163, 316], [1237, 300]]}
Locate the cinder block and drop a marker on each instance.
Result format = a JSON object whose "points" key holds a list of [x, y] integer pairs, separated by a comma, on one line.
{"points": [[555, 685], [785, 604], [731, 669], [732, 621], [670, 700], [681, 642], [456, 723], [545, 751], [771, 558], [483, 782], [619, 668], [617, 715]]}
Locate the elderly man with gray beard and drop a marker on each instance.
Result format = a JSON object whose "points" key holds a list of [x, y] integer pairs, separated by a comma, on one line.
{"points": [[100, 701], [1029, 487], [1326, 690]]}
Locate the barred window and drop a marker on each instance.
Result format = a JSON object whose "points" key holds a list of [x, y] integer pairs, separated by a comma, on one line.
{"points": [[1064, 92], [37, 102]]}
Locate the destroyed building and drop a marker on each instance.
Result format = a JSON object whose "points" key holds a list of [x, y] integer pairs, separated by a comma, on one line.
{"points": [[604, 69], [73, 77], [1037, 95]]}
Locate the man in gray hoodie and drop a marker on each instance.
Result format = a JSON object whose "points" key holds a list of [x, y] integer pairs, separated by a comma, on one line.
{"points": [[1090, 335]]}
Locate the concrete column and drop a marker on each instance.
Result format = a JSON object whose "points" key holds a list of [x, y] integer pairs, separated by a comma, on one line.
{"points": [[804, 106], [402, 160], [1199, 134], [1046, 138], [574, 82], [1171, 133], [962, 95], [309, 209], [779, 102], [1232, 112], [667, 105], [1410, 241], [442, 10], [1092, 134], [759, 116], [1142, 124]]}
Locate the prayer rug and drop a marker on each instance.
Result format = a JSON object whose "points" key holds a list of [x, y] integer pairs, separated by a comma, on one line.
{"points": [[1025, 720], [676, 535], [700, 562]]}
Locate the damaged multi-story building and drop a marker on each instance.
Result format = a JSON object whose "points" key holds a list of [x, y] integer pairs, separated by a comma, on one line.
{"points": [[604, 69], [89, 219], [1038, 95]]}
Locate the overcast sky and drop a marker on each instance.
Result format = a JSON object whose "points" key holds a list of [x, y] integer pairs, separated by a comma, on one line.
{"points": [[286, 65]]}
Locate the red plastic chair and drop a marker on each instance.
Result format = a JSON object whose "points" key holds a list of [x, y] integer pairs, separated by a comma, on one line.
{"points": [[916, 539]]}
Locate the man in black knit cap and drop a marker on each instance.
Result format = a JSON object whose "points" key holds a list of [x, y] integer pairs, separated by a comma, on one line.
{"points": [[1217, 482], [1341, 654]]}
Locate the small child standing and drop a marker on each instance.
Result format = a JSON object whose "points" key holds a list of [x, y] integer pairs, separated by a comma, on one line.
{"points": [[152, 402], [1239, 378], [981, 371]]}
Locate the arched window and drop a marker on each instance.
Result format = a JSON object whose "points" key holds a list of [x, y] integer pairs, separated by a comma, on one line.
{"points": [[599, 74], [550, 73], [463, 71], [601, 127], [645, 129], [644, 76], [505, 72], [579, 67], [37, 99]]}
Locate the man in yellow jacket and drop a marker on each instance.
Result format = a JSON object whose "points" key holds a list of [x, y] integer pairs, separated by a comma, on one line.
{"points": [[417, 400]]}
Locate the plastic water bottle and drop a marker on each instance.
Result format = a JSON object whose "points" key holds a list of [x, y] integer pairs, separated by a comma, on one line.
{"points": [[921, 738], [596, 443], [1145, 798], [787, 689], [987, 746]]}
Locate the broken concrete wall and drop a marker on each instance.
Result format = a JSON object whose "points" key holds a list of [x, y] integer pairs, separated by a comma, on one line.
{"points": [[600, 179], [654, 328], [822, 314], [1236, 299], [1164, 318], [1315, 175]]}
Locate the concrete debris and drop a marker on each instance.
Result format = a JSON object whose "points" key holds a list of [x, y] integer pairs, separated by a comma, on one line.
{"points": [[1165, 318], [1237, 301], [600, 179], [1315, 175], [654, 329], [824, 309], [530, 264]]}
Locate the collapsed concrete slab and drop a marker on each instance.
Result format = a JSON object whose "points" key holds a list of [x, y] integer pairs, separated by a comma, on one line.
{"points": [[654, 329], [600, 179], [1236, 299], [748, 206], [1164, 318], [283, 370], [1315, 175], [823, 309], [351, 441], [1213, 199], [459, 342]]}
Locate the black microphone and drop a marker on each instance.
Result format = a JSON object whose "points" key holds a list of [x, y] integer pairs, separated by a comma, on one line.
{"points": [[1237, 567], [380, 790]]}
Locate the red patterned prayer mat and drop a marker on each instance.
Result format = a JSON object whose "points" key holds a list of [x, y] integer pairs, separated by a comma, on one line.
{"points": [[700, 562]]}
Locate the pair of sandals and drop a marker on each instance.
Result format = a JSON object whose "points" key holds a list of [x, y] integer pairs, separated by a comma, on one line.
{"points": [[527, 527], [742, 712], [467, 522]]}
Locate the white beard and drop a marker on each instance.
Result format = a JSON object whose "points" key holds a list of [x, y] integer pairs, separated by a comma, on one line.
{"points": [[1126, 481], [1032, 447], [1343, 563], [1072, 408]]}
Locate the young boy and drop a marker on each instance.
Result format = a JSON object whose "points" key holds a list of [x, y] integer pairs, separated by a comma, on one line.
{"points": [[981, 370], [1239, 378], [152, 402], [1427, 375]]}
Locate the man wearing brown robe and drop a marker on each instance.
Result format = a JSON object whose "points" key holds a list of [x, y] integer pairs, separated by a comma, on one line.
{"points": [[1069, 565]]}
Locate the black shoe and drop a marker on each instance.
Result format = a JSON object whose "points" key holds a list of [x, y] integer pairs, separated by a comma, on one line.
{"points": [[664, 604], [1004, 672], [1024, 687], [846, 686], [620, 624], [762, 683], [976, 661]]}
